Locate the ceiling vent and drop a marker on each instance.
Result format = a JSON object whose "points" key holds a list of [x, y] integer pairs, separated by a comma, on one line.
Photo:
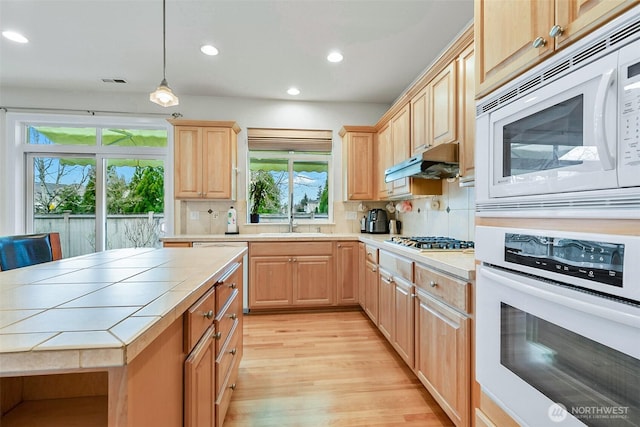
{"points": [[114, 81]]}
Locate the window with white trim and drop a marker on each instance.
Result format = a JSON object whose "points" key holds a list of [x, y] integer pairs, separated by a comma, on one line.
{"points": [[289, 173], [100, 182]]}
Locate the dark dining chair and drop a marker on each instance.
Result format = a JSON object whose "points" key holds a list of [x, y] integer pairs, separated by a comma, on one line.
{"points": [[29, 249]]}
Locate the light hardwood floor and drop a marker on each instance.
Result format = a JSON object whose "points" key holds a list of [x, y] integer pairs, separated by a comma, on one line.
{"points": [[325, 369]]}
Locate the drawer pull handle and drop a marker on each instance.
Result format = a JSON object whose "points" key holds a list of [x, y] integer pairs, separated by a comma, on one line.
{"points": [[232, 386], [233, 285], [233, 316], [208, 314], [217, 335], [539, 42], [433, 284], [233, 351]]}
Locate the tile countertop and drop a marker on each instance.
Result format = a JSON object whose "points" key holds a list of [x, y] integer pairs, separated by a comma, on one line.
{"points": [[102, 309], [460, 264]]}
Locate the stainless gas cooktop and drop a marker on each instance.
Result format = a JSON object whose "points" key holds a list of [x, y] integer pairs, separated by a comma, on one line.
{"points": [[432, 243]]}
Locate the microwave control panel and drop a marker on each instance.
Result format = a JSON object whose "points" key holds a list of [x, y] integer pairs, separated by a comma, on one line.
{"points": [[629, 108]]}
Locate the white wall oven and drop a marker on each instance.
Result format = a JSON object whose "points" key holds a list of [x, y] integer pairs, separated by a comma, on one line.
{"points": [[558, 326], [568, 132]]}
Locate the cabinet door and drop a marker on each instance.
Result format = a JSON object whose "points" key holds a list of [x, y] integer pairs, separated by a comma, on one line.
{"points": [[188, 162], [385, 304], [401, 137], [384, 161], [443, 361], [403, 320], [199, 388], [466, 112], [443, 106], [360, 166], [271, 281], [347, 268], [313, 280], [420, 129], [371, 294], [218, 170], [579, 17], [362, 268], [504, 33]]}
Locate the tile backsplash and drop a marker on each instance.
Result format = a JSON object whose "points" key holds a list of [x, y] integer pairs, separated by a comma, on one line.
{"points": [[451, 214]]}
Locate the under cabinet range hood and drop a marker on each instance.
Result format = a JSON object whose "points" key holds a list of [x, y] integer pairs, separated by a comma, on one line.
{"points": [[438, 162]]}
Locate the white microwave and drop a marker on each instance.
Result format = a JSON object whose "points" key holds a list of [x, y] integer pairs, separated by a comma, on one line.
{"points": [[567, 133]]}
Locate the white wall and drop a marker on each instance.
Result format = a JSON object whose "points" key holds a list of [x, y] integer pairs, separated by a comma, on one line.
{"points": [[246, 112]]}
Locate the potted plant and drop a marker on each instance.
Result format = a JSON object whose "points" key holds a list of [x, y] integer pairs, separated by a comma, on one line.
{"points": [[258, 194]]}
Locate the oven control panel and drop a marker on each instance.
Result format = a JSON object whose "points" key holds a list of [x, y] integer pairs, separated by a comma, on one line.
{"points": [[600, 262]]}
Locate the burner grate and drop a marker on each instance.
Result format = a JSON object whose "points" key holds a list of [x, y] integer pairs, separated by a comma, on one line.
{"points": [[432, 243]]}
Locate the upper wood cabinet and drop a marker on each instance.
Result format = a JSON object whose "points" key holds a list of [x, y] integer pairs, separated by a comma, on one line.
{"points": [[511, 37], [358, 161], [384, 160], [205, 162], [401, 143], [466, 113]]}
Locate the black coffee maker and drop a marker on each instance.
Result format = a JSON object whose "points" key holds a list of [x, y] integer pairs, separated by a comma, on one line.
{"points": [[377, 222]]}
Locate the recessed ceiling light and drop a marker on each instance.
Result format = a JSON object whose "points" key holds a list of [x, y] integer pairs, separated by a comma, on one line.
{"points": [[208, 49], [293, 91], [334, 57], [16, 37]]}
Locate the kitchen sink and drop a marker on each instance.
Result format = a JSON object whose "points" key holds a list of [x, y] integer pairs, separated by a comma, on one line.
{"points": [[291, 234]]}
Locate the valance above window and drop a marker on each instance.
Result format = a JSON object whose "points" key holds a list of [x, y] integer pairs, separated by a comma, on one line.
{"points": [[289, 140]]}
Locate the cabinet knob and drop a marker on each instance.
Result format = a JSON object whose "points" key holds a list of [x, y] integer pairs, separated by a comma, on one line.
{"points": [[233, 316], [433, 284], [233, 351], [232, 386], [290, 260], [556, 31], [233, 285], [217, 335], [295, 260], [539, 42], [208, 314], [373, 269], [339, 245]]}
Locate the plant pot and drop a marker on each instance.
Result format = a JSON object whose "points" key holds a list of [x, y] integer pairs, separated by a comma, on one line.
{"points": [[254, 218]]}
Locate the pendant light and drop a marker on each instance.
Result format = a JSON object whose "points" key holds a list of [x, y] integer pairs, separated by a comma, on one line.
{"points": [[163, 94]]}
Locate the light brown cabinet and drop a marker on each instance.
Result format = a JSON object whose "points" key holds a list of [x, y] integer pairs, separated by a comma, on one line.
{"points": [[403, 336], [291, 275], [399, 150], [200, 384], [347, 273], [433, 111], [384, 160], [371, 282], [205, 159], [358, 160], [362, 265], [466, 113], [385, 303], [443, 341], [511, 37]]}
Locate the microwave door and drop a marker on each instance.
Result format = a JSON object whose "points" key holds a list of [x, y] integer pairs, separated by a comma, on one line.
{"points": [[560, 138]]}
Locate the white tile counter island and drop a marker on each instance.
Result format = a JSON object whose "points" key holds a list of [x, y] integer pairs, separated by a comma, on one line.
{"points": [[84, 329]]}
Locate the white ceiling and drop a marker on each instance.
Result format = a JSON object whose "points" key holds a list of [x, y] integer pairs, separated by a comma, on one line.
{"points": [[265, 46]]}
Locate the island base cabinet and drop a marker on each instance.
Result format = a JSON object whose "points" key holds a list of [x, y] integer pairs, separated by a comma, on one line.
{"points": [[199, 384], [442, 339]]}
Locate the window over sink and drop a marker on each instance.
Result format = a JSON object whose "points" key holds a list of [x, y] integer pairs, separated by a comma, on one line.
{"points": [[289, 174]]}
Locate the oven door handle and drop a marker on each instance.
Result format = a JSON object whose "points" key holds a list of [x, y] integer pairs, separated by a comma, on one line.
{"points": [[565, 301], [599, 130]]}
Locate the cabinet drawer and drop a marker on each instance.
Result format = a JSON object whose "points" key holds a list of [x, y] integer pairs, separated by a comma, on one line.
{"points": [[371, 253], [396, 265], [227, 318], [226, 285], [199, 317], [229, 353], [224, 396], [291, 248], [452, 291]]}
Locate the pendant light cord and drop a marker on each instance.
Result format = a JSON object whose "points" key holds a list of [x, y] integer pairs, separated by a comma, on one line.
{"points": [[164, 40]]}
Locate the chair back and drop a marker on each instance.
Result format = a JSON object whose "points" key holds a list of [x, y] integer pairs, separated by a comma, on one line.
{"points": [[29, 249]]}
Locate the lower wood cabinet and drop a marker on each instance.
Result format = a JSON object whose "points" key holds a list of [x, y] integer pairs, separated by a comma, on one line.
{"points": [[371, 283], [443, 359], [347, 273], [385, 303], [303, 274], [402, 336], [211, 367], [362, 266]]}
